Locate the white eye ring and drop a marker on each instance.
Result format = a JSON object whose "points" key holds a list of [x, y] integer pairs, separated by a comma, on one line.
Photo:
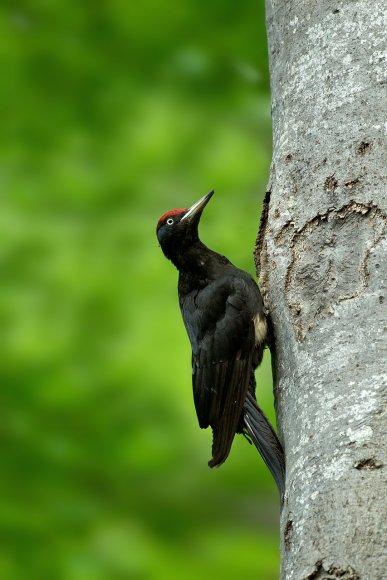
{"points": [[169, 221]]}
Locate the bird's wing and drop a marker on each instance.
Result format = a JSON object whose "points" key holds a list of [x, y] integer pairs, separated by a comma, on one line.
{"points": [[221, 361]]}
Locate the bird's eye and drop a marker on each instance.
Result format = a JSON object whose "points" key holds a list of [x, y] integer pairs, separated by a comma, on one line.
{"points": [[169, 221]]}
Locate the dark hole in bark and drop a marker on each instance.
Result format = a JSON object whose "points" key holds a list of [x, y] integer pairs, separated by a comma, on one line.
{"points": [[321, 573], [288, 533], [368, 464], [351, 183], [362, 148], [331, 183]]}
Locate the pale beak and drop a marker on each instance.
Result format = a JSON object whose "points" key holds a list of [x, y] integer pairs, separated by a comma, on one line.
{"points": [[197, 208]]}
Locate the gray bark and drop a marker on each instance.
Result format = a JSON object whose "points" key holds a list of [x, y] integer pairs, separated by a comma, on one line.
{"points": [[322, 261]]}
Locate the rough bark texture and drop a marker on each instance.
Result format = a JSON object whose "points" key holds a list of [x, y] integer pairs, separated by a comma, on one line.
{"points": [[322, 260]]}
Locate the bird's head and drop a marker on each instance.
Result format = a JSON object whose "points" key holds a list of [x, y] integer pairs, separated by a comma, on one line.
{"points": [[177, 229]]}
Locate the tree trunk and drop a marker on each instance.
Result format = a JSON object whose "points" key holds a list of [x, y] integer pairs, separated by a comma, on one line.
{"points": [[321, 258]]}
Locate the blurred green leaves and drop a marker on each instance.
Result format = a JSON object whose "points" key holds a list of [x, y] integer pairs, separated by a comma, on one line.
{"points": [[113, 113]]}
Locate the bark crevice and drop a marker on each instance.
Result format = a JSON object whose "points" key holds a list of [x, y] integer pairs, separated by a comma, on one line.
{"points": [[313, 287], [331, 573]]}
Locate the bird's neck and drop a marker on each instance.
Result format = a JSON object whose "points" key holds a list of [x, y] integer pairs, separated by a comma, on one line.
{"points": [[193, 259]]}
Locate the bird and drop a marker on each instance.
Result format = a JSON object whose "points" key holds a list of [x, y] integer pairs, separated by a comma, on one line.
{"points": [[224, 316]]}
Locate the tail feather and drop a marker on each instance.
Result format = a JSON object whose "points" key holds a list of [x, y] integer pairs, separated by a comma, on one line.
{"points": [[221, 446], [265, 440]]}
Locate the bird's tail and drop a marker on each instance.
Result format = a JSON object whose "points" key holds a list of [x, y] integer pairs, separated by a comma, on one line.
{"points": [[265, 440]]}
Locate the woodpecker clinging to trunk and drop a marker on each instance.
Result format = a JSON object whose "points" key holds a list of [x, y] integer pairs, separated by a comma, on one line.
{"points": [[223, 313]]}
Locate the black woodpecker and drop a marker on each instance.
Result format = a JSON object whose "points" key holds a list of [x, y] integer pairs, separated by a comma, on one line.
{"points": [[223, 313]]}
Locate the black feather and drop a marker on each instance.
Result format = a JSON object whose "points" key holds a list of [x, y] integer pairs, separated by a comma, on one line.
{"points": [[266, 441]]}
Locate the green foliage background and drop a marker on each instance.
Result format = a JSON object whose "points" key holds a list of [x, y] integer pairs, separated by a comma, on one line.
{"points": [[113, 113]]}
